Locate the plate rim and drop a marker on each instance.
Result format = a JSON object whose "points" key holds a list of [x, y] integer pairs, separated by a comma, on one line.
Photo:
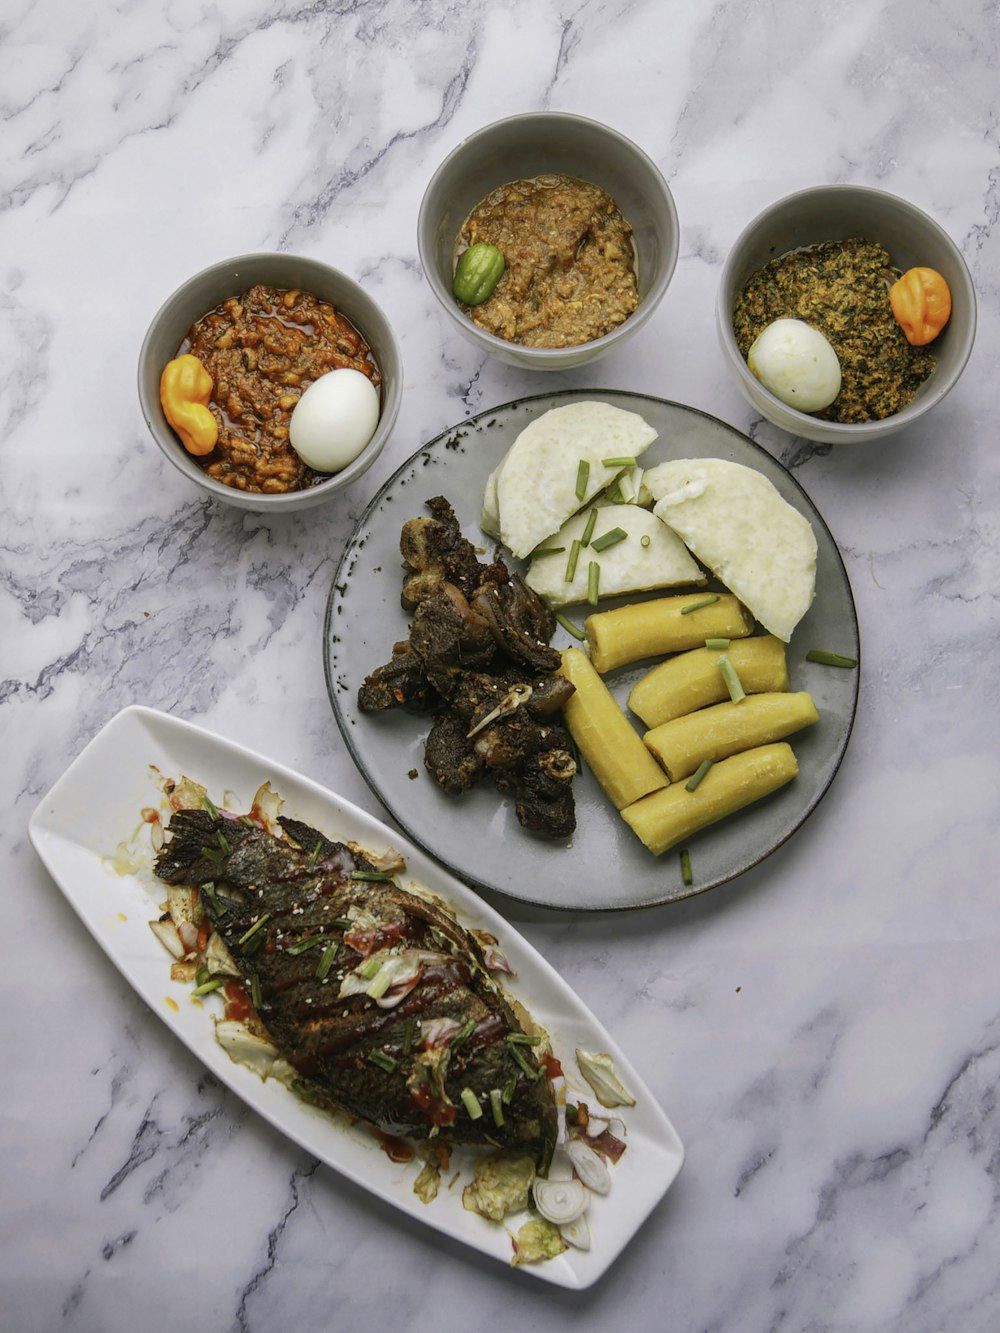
{"points": [[339, 583]]}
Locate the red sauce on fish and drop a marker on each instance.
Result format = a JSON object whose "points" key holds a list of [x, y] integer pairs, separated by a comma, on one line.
{"points": [[396, 1149], [238, 1006]]}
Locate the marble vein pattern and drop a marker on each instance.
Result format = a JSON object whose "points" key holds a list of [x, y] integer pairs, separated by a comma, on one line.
{"points": [[824, 1032]]}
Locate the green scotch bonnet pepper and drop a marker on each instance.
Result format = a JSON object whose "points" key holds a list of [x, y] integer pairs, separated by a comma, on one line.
{"points": [[478, 271]]}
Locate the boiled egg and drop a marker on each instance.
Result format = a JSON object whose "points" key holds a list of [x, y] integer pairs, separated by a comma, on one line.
{"points": [[797, 364], [334, 420]]}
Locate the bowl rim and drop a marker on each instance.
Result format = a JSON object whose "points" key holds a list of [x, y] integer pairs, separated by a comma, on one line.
{"points": [[832, 430], [550, 355], [174, 451]]}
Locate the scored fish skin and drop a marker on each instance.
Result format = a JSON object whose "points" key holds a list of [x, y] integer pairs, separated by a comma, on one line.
{"points": [[302, 884]]}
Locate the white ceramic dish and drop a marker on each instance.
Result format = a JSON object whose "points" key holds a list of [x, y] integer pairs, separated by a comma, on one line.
{"points": [[79, 829], [477, 835]]}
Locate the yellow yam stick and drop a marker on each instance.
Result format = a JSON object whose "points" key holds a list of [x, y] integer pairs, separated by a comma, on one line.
{"points": [[693, 680], [724, 729], [650, 629], [608, 742], [665, 818]]}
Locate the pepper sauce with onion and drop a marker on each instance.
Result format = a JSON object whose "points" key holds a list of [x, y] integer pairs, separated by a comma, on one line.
{"points": [[263, 349]]}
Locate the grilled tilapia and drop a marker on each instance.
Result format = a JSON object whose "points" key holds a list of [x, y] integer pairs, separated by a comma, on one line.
{"points": [[377, 997]]}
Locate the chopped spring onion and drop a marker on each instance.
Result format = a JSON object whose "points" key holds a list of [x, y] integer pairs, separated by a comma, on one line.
{"points": [[582, 478], [618, 462], [372, 876], [720, 644], [209, 805], [496, 1106], [408, 1030], [697, 775], [574, 556], [255, 998], [610, 538], [644, 540], [830, 659], [369, 968], [342, 922], [463, 1034], [212, 854], [529, 1070], [569, 626], [471, 1103], [208, 889], [257, 925], [588, 531], [206, 987], [223, 842], [382, 980], [686, 875], [733, 683], [524, 1039], [509, 1088], [382, 1059], [593, 582], [300, 946], [696, 606], [314, 856], [613, 494], [326, 962], [546, 550]]}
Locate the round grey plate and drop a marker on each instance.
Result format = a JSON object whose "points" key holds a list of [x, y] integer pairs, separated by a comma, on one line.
{"points": [[477, 836]]}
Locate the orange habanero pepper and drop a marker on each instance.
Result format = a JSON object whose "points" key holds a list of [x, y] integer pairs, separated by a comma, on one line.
{"points": [[185, 388], [921, 302]]}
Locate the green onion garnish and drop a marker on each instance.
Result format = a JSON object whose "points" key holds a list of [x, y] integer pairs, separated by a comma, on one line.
{"points": [[300, 946], [509, 1088], [613, 494], [624, 461], [209, 805], [223, 842], [326, 962], [372, 876], [381, 981], [697, 775], [611, 538], [696, 606], [257, 925], [547, 550], [686, 875], [720, 644], [255, 991], [314, 856], [733, 683], [593, 582], [382, 1059], [569, 626], [582, 478], [208, 889], [644, 540], [496, 1106], [212, 854], [369, 968], [523, 1039], [408, 1029], [574, 556], [471, 1103], [463, 1034], [342, 922], [529, 1070], [588, 531], [206, 987], [830, 659]]}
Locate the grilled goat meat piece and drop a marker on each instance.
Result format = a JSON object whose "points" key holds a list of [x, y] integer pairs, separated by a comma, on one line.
{"points": [[479, 653], [399, 1055]]}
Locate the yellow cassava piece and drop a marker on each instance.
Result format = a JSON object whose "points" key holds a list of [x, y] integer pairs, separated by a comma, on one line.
{"points": [[650, 629], [724, 729], [665, 818], [607, 741], [693, 680]]}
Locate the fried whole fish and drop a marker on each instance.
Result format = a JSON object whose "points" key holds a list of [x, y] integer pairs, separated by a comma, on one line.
{"points": [[377, 997]]}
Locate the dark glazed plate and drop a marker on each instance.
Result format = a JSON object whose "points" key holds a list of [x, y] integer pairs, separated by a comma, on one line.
{"points": [[477, 835]]}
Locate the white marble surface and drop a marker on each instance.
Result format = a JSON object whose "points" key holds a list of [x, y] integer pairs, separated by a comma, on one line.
{"points": [[825, 1032]]}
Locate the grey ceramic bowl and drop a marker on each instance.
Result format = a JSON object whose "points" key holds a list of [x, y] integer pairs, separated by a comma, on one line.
{"points": [[833, 213], [230, 277], [534, 145]]}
